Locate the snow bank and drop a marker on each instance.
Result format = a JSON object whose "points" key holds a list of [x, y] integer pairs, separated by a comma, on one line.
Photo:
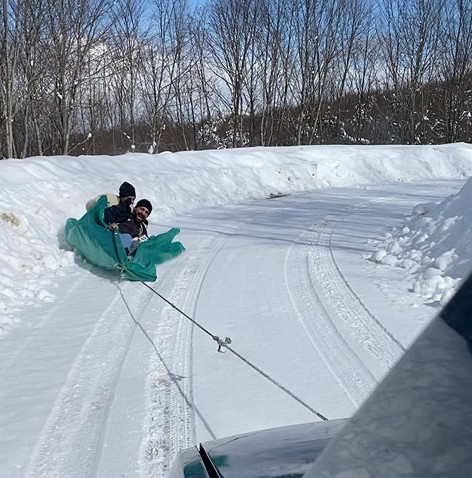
{"points": [[40, 193], [434, 244]]}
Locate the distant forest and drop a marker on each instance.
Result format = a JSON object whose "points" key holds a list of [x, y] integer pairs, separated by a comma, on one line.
{"points": [[107, 77]]}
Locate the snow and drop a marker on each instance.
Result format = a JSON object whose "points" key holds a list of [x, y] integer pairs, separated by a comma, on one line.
{"points": [[434, 244], [321, 263]]}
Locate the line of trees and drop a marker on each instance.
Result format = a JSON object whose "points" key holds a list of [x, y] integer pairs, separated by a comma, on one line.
{"points": [[101, 76]]}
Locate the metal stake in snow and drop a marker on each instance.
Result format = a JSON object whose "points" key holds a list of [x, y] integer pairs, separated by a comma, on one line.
{"points": [[226, 344], [222, 343]]}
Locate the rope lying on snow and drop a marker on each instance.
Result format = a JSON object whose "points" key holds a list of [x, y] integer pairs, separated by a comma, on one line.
{"points": [[226, 344]]}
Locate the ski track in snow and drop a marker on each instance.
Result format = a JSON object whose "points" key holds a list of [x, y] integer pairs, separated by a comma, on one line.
{"points": [[26, 344], [71, 437], [171, 412]]}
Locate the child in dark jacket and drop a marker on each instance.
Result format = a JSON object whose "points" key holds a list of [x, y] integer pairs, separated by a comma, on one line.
{"points": [[120, 216]]}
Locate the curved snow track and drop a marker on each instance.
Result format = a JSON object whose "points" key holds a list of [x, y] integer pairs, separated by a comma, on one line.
{"points": [[80, 411], [170, 410], [129, 381], [324, 302]]}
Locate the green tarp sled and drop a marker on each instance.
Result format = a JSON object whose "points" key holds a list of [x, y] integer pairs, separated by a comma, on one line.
{"points": [[102, 247]]}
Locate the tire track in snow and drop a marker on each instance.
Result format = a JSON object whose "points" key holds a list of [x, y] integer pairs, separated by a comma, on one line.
{"points": [[364, 326], [70, 441], [327, 295], [171, 411], [349, 371]]}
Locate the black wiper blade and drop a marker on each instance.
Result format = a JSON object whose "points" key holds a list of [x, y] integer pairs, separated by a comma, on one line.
{"points": [[210, 467]]}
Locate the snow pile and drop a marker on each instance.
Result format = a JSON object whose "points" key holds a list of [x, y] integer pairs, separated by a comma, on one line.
{"points": [[434, 244], [39, 194], [31, 207], [32, 254]]}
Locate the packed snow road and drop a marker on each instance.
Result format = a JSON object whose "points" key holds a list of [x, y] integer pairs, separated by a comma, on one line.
{"points": [[112, 381]]}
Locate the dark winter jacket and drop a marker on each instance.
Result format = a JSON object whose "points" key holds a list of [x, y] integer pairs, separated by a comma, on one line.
{"points": [[119, 213], [127, 224]]}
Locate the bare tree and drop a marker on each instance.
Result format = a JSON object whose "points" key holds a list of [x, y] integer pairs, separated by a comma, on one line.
{"points": [[31, 74], [167, 64], [8, 60], [232, 25], [201, 88], [360, 79], [274, 52], [75, 30], [409, 29], [128, 64], [317, 25], [455, 69]]}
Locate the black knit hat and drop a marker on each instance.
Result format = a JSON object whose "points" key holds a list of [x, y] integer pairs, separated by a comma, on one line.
{"points": [[126, 189], [144, 203]]}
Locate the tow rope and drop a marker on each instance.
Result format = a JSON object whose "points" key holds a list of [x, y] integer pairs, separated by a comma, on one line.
{"points": [[226, 345]]}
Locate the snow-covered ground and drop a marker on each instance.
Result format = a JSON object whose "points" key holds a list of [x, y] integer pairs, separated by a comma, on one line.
{"points": [[322, 264]]}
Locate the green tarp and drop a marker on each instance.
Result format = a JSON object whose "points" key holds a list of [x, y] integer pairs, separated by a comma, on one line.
{"points": [[102, 247]]}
